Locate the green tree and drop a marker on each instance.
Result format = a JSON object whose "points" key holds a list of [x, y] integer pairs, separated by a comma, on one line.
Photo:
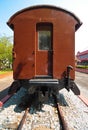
{"points": [[5, 52]]}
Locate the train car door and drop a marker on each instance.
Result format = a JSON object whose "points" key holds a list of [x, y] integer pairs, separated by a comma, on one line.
{"points": [[44, 49]]}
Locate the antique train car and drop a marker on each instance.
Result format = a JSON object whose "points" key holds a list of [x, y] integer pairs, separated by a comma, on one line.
{"points": [[44, 49]]}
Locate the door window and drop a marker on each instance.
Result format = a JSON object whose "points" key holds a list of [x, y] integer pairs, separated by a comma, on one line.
{"points": [[44, 40], [44, 36]]}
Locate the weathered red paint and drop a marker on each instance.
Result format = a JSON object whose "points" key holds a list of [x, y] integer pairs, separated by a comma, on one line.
{"points": [[28, 60]]}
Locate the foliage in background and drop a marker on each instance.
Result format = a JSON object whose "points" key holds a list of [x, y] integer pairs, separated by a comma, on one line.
{"points": [[5, 53], [82, 66]]}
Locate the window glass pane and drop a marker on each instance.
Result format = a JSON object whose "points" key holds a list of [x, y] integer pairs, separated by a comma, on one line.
{"points": [[44, 40]]}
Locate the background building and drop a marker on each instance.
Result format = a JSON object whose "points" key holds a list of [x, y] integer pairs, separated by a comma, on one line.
{"points": [[82, 58]]}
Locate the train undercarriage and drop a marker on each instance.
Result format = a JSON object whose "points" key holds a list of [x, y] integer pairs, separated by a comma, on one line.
{"points": [[43, 87]]}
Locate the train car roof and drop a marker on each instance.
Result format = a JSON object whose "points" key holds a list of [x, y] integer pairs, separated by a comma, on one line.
{"points": [[45, 6]]}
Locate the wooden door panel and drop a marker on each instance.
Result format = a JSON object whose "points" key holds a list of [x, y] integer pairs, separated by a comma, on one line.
{"points": [[44, 49]]}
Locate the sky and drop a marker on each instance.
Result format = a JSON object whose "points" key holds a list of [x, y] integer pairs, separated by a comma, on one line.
{"points": [[78, 7]]}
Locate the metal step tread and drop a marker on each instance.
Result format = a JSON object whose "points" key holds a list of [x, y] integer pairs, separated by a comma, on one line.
{"points": [[43, 80]]}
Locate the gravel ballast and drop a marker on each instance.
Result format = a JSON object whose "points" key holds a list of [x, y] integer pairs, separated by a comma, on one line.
{"points": [[74, 110]]}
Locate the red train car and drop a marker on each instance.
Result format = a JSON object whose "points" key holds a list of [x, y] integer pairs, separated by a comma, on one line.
{"points": [[44, 48]]}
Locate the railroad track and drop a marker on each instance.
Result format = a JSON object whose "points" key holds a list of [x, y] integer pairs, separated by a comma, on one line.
{"points": [[55, 117], [47, 118], [50, 117]]}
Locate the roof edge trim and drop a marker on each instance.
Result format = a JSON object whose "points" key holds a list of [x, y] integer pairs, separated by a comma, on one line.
{"points": [[45, 6]]}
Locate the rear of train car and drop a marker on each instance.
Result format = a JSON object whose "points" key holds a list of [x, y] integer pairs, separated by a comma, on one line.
{"points": [[44, 49]]}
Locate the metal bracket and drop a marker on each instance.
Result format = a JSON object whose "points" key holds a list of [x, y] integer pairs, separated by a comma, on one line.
{"points": [[69, 68]]}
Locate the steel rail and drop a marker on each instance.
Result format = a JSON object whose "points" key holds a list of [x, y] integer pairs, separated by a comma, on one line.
{"points": [[64, 124], [83, 99], [23, 119], [5, 99]]}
